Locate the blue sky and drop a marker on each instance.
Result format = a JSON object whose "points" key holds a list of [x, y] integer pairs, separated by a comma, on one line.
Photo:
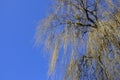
{"points": [[19, 59]]}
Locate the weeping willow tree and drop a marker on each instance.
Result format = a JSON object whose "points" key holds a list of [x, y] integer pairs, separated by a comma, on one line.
{"points": [[83, 36]]}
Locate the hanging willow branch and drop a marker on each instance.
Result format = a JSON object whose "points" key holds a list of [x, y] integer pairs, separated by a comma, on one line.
{"points": [[89, 25]]}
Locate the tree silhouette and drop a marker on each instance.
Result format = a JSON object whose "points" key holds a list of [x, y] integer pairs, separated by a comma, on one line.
{"points": [[89, 25]]}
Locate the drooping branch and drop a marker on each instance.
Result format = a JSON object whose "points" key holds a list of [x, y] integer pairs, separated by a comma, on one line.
{"points": [[97, 56]]}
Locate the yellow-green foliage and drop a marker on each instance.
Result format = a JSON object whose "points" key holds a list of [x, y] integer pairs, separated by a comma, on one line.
{"points": [[74, 23]]}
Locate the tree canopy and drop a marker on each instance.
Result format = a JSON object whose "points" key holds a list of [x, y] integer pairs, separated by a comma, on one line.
{"points": [[83, 36]]}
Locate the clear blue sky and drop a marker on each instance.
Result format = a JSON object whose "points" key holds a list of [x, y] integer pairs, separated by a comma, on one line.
{"points": [[19, 59]]}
